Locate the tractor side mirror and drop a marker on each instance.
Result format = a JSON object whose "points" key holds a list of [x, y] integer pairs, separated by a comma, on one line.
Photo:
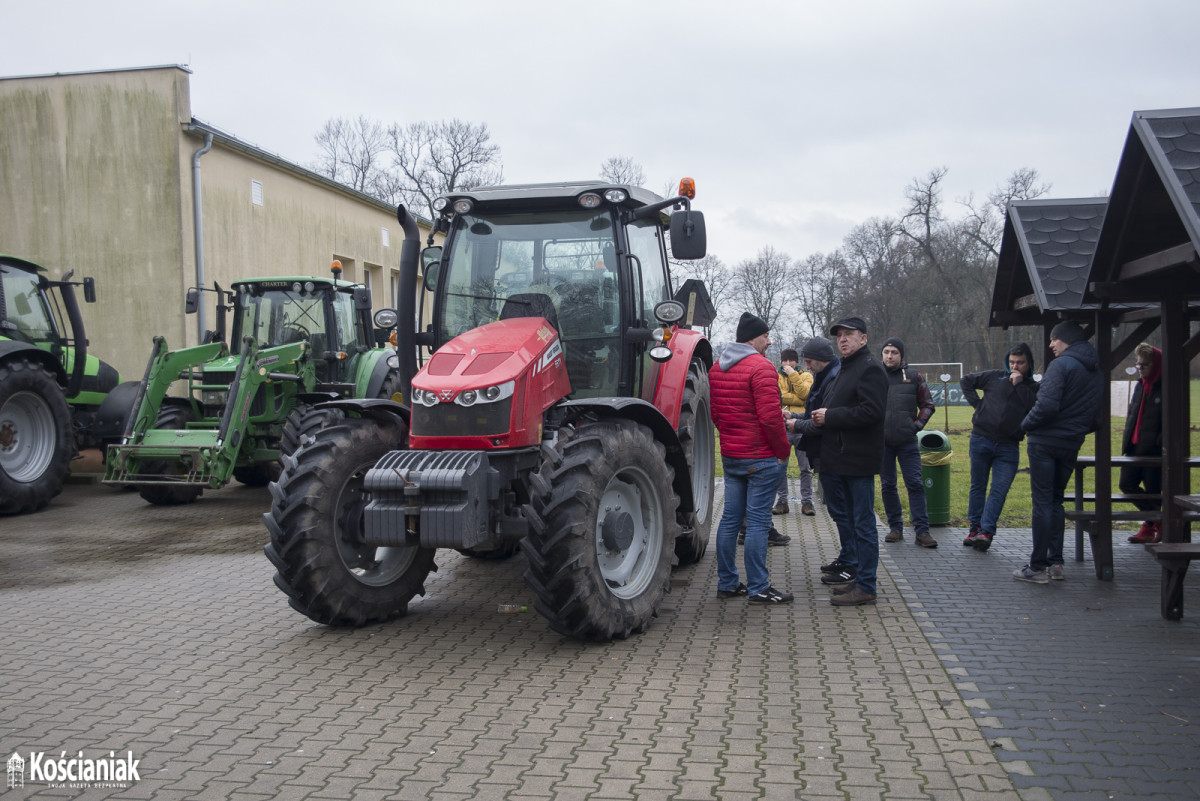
{"points": [[362, 298], [431, 260], [192, 302], [89, 290], [688, 240]]}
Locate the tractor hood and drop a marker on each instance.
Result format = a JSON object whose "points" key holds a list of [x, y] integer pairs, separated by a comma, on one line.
{"points": [[491, 354]]}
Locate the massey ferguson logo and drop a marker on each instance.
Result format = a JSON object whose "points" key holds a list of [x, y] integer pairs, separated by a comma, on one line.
{"points": [[445, 395], [548, 358]]}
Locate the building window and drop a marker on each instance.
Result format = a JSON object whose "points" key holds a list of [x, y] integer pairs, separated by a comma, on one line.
{"points": [[256, 193], [386, 242]]}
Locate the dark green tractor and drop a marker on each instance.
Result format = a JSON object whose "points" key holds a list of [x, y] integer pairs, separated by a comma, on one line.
{"points": [[294, 343], [55, 399]]}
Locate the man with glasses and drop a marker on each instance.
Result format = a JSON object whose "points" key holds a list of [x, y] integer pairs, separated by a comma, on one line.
{"points": [[1143, 437]]}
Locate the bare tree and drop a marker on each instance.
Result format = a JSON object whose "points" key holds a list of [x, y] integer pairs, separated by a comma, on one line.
{"points": [[986, 222], [433, 158], [820, 284], [353, 152], [622, 170], [764, 285]]}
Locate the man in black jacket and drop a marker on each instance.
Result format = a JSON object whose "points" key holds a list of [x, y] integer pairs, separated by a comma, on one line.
{"points": [[909, 407], [1008, 395], [1069, 406], [851, 422]]}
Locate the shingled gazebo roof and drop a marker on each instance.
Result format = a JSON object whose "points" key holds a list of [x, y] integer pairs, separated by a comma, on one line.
{"points": [[1045, 258]]}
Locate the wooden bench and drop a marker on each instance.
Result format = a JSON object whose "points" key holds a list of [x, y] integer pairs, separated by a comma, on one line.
{"points": [[1174, 558]]}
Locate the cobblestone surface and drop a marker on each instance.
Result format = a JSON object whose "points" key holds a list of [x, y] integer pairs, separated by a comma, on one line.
{"points": [[158, 631]]}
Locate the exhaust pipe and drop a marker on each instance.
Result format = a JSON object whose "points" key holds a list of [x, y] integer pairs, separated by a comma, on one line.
{"points": [[407, 326]]}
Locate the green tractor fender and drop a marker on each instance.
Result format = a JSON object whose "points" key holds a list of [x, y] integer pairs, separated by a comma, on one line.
{"points": [[32, 352], [375, 368]]}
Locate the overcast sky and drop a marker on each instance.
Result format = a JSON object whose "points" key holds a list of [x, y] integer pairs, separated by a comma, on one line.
{"points": [[798, 120]]}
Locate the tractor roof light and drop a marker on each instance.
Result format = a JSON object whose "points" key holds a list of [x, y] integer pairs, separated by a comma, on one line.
{"points": [[309, 286], [687, 188], [589, 200], [439, 204], [463, 206], [669, 311], [386, 318], [296, 286], [616, 195]]}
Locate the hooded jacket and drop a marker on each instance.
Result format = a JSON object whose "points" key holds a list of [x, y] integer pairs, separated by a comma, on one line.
{"points": [[745, 405], [1070, 401], [1143, 423], [998, 414]]}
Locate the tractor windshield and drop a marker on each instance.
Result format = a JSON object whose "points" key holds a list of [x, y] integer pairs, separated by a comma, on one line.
{"points": [[280, 316], [561, 266], [26, 314]]}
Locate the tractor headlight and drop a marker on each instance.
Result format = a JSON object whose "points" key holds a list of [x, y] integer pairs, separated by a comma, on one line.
{"points": [[498, 392], [467, 397], [424, 397], [616, 195], [213, 397], [463, 206]]}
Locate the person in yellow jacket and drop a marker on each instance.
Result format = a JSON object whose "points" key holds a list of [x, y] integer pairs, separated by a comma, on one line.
{"points": [[794, 385]]}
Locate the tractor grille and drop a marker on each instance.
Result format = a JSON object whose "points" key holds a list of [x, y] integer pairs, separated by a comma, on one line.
{"points": [[452, 420]]}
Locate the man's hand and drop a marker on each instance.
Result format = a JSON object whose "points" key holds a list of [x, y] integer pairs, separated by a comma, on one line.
{"points": [[1016, 377], [788, 369], [818, 417]]}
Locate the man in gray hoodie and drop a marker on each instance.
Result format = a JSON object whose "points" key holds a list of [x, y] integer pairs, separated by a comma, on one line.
{"points": [[1069, 406]]}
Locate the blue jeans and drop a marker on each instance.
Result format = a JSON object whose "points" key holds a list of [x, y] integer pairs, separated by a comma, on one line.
{"points": [[1050, 469], [909, 457], [781, 496], [851, 502], [1000, 460], [749, 489]]}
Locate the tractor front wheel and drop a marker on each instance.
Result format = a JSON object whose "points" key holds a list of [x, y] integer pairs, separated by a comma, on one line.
{"points": [[316, 524], [174, 417], [36, 442], [698, 442], [602, 530]]}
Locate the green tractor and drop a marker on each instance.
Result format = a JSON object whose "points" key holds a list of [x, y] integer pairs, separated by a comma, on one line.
{"points": [[295, 342], [55, 399]]}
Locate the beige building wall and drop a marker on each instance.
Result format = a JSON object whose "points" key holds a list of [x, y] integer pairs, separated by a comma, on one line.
{"points": [[96, 175]]}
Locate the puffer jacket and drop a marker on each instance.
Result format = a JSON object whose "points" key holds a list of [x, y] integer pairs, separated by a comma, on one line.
{"points": [[794, 389], [909, 406], [1070, 400], [745, 405]]}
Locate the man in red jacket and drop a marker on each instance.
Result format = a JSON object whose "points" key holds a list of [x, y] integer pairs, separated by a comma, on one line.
{"points": [[754, 448]]}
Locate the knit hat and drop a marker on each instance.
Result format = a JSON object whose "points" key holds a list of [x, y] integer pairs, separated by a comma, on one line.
{"points": [[789, 355], [1068, 331], [896, 343], [819, 349], [848, 322], [750, 327]]}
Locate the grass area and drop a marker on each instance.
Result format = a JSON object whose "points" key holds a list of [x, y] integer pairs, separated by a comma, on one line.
{"points": [[955, 422]]}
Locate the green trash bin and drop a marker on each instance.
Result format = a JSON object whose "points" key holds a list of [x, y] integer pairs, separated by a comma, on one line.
{"points": [[935, 475]]}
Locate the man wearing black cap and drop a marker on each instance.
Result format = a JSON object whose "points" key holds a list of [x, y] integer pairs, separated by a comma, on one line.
{"points": [[1069, 406], [754, 449], [909, 407], [851, 421]]}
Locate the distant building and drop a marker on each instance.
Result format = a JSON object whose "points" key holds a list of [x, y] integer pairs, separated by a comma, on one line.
{"points": [[97, 174]]}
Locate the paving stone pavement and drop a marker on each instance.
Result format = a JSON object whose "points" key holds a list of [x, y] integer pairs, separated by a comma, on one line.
{"points": [[158, 631]]}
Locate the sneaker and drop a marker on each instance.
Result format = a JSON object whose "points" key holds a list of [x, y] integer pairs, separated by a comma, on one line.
{"points": [[983, 541], [775, 538], [856, 597], [895, 535], [771, 596], [734, 593], [806, 508], [971, 537], [779, 509], [926, 540], [833, 567], [843, 575], [1056, 572], [1146, 534], [1027, 573]]}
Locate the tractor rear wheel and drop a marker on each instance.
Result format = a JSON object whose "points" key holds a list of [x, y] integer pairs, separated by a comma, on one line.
{"points": [[316, 524], [303, 422], [171, 416], [392, 385], [36, 441], [696, 438], [602, 530]]}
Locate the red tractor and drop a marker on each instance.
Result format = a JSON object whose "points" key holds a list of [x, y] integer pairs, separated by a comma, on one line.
{"points": [[564, 410]]}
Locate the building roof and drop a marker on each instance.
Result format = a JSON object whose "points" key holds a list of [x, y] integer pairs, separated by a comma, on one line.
{"points": [[1147, 248], [1045, 258]]}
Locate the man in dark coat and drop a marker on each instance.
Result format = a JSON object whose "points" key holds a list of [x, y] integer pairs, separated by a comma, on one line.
{"points": [[1143, 437], [851, 422], [1069, 406], [909, 407], [1008, 395]]}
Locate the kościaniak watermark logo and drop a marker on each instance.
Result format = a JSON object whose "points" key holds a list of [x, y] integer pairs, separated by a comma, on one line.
{"points": [[77, 773]]}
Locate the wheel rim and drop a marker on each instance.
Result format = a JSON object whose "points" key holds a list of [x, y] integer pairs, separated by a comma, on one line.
{"points": [[702, 460], [27, 436], [629, 533], [371, 565]]}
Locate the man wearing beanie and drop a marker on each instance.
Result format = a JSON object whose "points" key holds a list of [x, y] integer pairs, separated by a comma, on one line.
{"points": [[909, 407], [794, 386], [851, 423], [1069, 406], [754, 449]]}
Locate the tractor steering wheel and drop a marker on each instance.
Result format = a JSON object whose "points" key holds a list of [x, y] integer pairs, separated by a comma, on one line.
{"points": [[295, 333]]}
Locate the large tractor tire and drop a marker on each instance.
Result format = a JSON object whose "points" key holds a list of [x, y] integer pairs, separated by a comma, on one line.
{"points": [[302, 423], [602, 530], [172, 417], [36, 440], [392, 385], [315, 522], [698, 442]]}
